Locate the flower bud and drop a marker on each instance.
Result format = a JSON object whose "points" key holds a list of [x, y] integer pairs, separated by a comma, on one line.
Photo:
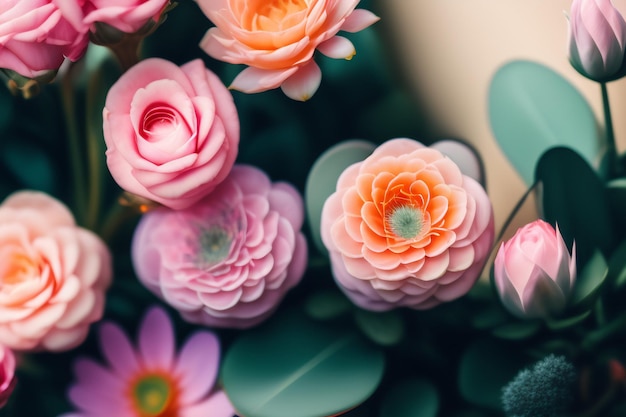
{"points": [[597, 39], [7, 374], [534, 272]]}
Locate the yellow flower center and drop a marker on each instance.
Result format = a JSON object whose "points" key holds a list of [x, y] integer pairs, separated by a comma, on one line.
{"points": [[18, 269], [273, 15], [154, 395], [215, 243]]}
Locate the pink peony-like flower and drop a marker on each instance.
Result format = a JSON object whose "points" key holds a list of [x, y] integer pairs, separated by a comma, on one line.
{"points": [[597, 38], [7, 374], [35, 37], [228, 260], [278, 38], [534, 272], [406, 228], [153, 379], [172, 133], [127, 16], [53, 274]]}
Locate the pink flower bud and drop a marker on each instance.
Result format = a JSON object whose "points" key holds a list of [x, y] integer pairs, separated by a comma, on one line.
{"points": [[534, 271], [597, 39], [7, 374]]}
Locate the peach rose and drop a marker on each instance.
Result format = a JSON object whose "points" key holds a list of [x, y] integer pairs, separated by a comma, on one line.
{"points": [[53, 274], [277, 40], [35, 37], [406, 228], [172, 133]]}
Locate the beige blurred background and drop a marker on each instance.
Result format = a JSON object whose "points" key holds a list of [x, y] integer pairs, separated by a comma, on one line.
{"points": [[448, 50]]}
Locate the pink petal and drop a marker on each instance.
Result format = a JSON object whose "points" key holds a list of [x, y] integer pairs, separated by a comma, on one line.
{"points": [[337, 47], [117, 350], [197, 366], [217, 405], [157, 340], [255, 80], [303, 84], [358, 20]]}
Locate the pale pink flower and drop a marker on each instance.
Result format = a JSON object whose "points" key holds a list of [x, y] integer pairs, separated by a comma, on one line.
{"points": [[406, 228], [127, 16], [172, 133], [53, 274], [597, 38], [278, 39], [7, 374], [534, 272], [152, 379], [35, 37], [228, 260]]}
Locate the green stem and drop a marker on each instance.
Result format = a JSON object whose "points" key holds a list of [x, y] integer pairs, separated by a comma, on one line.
{"points": [[118, 214], [76, 158], [94, 155], [604, 333], [614, 169], [511, 216]]}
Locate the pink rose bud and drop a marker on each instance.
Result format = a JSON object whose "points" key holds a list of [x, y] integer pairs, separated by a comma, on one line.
{"points": [[7, 374], [277, 40], [597, 39], [406, 228], [53, 274], [172, 133], [534, 272], [228, 260], [35, 38]]}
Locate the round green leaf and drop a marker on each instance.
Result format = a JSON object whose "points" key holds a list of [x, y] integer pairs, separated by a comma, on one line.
{"points": [[617, 266], [322, 179], [386, 328], [295, 367], [565, 177], [415, 397], [326, 305], [486, 366], [532, 108]]}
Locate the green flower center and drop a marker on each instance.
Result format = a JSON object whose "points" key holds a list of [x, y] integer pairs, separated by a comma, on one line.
{"points": [[152, 395], [215, 245], [406, 222]]}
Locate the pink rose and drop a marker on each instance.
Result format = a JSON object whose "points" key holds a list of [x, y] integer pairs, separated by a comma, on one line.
{"points": [[53, 274], [228, 260], [406, 228], [128, 16], [35, 37], [172, 133], [534, 272], [7, 374], [278, 39]]}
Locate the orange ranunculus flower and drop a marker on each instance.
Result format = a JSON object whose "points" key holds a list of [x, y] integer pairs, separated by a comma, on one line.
{"points": [[277, 40], [406, 228]]}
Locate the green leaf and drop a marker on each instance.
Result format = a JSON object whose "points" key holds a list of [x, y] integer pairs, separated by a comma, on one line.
{"points": [[294, 367], [385, 328], [490, 316], [324, 305], [590, 279], [617, 266], [486, 366], [414, 397], [517, 330], [532, 109], [30, 164], [564, 323], [573, 197], [322, 180]]}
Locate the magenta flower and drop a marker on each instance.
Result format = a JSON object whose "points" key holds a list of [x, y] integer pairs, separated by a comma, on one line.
{"points": [[534, 272], [152, 379], [229, 259], [7, 374], [597, 39], [405, 228]]}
